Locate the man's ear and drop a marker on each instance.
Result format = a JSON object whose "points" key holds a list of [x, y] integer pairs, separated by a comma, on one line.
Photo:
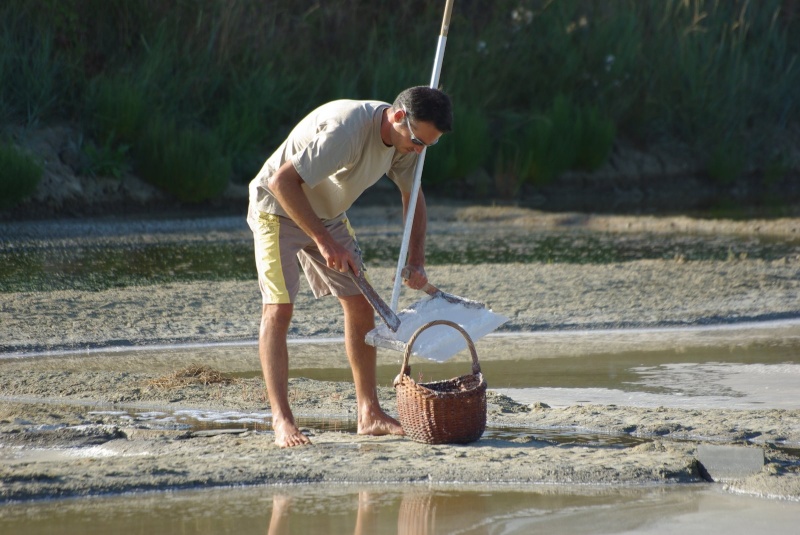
{"points": [[398, 115]]}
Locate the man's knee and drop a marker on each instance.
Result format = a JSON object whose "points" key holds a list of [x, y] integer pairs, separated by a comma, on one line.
{"points": [[357, 310], [276, 317]]}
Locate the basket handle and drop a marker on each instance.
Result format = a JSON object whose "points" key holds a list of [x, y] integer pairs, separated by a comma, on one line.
{"points": [[406, 368]]}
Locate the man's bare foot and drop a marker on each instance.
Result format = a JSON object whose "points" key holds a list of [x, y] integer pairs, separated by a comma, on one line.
{"points": [[379, 424], [287, 435]]}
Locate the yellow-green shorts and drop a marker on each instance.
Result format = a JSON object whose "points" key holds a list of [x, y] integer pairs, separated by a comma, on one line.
{"points": [[280, 244]]}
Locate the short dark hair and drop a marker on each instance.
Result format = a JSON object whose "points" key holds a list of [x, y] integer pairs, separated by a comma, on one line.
{"points": [[427, 104]]}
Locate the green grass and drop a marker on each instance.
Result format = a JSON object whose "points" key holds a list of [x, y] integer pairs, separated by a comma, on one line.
{"points": [[186, 162], [32, 77], [539, 146], [107, 160], [20, 173], [461, 152], [242, 73], [117, 109]]}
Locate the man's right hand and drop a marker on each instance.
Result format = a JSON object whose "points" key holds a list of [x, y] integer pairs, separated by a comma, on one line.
{"points": [[337, 256]]}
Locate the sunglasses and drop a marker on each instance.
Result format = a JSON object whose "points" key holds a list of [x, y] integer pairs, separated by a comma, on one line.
{"points": [[414, 139]]}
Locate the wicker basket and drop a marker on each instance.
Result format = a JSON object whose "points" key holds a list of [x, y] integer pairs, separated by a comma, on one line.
{"points": [[442, 412]]}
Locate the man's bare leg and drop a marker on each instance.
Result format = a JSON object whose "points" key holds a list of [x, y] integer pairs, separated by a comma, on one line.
{"points": [[274, 355], [359, 319], [366, 518], [279, 521]]}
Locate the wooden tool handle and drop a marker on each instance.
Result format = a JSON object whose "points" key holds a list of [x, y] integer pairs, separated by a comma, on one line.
{"points": [[448, 10], [430, 289]]}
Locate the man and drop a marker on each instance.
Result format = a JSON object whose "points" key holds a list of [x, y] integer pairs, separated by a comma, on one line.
{"points": [[297, 211]]}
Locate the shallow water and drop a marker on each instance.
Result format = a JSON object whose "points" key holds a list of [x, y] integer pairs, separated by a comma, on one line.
{"points": [[410, 511], [749, 366], [34, 264]]}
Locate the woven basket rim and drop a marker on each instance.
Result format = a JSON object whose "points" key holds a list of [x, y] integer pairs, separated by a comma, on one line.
{"points": [[405, 368], [406, 381]]}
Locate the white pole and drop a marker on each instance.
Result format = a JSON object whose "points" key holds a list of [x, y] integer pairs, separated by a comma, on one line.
{"points": [[412, 203]]}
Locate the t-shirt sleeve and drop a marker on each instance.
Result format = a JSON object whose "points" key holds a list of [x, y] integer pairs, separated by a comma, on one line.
{"points": [[326, 154], [402, 171]]}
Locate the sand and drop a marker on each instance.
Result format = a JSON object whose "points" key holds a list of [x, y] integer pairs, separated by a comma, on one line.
{"points": [[66, 429]]}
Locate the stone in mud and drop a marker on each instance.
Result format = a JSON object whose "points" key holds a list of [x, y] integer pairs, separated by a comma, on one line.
{"points": [[729, 462]]}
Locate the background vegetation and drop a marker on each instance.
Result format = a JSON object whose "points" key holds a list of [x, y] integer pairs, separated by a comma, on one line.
{"points": [[193, 94]]}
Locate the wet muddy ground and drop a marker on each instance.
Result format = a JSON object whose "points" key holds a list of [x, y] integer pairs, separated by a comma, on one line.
{"points": [[65, 425]]}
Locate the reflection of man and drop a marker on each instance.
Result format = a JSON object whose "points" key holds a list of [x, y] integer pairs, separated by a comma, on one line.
{"points": [[297, 209], [366, 518], [279, 521]]}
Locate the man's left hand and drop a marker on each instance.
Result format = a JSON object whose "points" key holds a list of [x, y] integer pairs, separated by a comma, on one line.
{"points": [[414, 276]]}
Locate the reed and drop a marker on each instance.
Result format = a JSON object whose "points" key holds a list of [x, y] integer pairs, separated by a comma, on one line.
{"points": [[461, 152], [32, 78], [186, 162], [681, 71], [20, 173]]}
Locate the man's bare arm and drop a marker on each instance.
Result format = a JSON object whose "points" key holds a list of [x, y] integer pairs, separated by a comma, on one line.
{"points": [[286, 185], [415, 265]]}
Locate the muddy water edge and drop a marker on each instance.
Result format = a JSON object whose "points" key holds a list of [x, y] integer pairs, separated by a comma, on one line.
{"points": [[71, 405]]}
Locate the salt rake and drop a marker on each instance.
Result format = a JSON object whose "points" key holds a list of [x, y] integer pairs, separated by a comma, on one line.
{"points": [[436, 293], [438, 343]]}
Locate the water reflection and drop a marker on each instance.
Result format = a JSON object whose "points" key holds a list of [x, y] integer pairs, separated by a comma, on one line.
{"points": [[407, 510], [424, 511], [279, 521], [417, 514]]}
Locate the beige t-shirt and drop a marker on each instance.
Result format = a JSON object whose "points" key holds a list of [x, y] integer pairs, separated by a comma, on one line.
{"points": [[338, 152]]}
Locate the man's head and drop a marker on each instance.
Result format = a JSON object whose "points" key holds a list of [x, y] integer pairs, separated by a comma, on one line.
{"points": [[418, 118], [423, 103]]}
